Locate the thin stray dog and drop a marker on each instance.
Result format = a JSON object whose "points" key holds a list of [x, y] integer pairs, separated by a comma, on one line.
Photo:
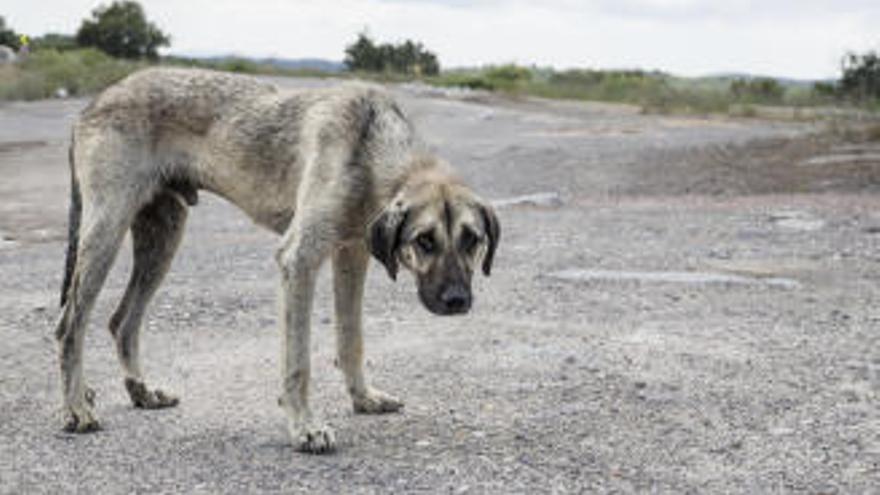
{"points": [[339, 172]]}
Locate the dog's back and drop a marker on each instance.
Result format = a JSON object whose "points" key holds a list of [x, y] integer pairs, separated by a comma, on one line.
{"points": [[189, 100]]}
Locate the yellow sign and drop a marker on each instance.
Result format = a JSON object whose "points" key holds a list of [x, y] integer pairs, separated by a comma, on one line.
{"points": [[24, 40]]}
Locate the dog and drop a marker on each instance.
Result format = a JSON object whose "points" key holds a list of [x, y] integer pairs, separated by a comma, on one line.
{"points": [[338, 173]]}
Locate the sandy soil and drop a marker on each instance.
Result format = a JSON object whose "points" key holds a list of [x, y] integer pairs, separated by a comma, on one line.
{"points": [[688, 305]]}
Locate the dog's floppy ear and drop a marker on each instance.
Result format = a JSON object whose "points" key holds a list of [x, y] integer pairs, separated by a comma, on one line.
{"points": [[493, 232], [384, 236]]}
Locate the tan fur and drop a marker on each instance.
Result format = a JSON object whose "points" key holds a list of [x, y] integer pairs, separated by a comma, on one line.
{"points": [[339, 173]]}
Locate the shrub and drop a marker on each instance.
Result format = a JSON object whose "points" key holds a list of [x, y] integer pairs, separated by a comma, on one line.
{"points": [[759, 90], [54, 41], [469, 80], [508, 77], [78, 72], [235, 64]]}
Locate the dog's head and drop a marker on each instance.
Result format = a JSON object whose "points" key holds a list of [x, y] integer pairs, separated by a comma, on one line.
{"points": [[440, 232]]}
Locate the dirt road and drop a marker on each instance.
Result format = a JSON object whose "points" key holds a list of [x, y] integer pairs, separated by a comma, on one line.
{"points": [[684, 305]]}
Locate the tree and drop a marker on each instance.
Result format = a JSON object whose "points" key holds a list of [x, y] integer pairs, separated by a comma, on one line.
{"points": [[122, 30], [428, 63], [405, 58], [363, 55], [8, 37], [861, 76]]}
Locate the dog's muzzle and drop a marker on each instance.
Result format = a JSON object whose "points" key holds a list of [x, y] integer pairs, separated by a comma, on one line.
{"points": [[452, 299]]}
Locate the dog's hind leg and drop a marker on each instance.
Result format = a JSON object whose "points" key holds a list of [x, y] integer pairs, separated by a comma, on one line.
{"points": [[156, 233], [102, 230], [349, 271]]}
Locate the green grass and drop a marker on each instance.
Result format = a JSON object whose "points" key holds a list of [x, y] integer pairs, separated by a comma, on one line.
{"points": [[77, 72]]}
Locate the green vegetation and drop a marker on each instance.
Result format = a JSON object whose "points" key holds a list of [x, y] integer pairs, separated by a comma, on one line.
{"points": [[54, 41], [408, 58], [121, 29], [761, 90], [654, 92], [45, 72]]}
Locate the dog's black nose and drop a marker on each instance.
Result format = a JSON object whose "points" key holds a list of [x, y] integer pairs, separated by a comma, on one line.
{"points": [[456, 299]]}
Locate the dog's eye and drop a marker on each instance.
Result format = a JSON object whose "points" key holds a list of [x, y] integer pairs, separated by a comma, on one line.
{"points": [[468, 240], [425, 242]]}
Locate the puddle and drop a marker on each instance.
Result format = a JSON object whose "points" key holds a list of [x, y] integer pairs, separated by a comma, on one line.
{"points": [[688, 278], [6, 242], [797, 220], [841, 159], [544, 200]]}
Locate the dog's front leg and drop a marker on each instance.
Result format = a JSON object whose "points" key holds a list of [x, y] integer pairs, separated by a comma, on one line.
{"points": [[349, 270], [299, 260]]}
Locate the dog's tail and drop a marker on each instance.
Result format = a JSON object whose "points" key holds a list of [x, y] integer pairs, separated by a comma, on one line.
{"points": [[73, 221]]}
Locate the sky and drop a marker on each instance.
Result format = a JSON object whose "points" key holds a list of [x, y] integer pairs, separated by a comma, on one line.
{"points": [[802, 39]]}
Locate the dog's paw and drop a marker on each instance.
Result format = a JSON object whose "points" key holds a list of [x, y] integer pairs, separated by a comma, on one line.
{"points": [[81, 419], [312, 438], [376, 402], [144, 398]]}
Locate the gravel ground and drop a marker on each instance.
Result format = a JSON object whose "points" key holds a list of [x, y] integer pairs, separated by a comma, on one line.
{"points": [[689, 305]]}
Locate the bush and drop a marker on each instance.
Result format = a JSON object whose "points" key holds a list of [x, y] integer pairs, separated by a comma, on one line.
{"points": [[240, 65], [54, 41], [504, 78], [508, 77], [824, 89], [760, 90], [461, 79], [77, 72]]}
